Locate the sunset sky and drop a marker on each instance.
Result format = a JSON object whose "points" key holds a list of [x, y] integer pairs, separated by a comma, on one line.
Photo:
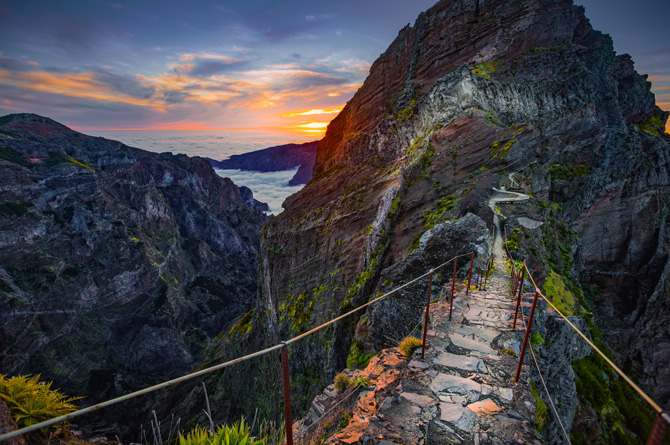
{"points": [[289, 64]]}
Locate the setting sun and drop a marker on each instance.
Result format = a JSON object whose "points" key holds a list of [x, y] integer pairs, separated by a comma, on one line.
{"points": [[312, 112]]}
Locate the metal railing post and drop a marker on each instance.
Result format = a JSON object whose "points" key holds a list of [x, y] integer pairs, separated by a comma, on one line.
{"points": [[453, 284], [286, 382], [525, 339], [658, 431], [425, 322], [472, 260], [518, 300]]}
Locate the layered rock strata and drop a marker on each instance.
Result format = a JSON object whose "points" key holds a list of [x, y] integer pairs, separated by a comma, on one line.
{"points": [[472, 92]]}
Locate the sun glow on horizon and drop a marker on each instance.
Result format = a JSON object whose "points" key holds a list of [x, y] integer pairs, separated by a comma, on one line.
{"points": [[312, 112]]}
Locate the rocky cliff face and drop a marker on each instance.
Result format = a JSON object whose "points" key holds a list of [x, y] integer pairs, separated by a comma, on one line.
{"points": [[474, 91], [117, 266]]}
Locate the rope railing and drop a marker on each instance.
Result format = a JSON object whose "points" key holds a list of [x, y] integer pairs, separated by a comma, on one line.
{"points": [[662, 416], [220, 366], [544, 385], [642, 394], [352, 392]]}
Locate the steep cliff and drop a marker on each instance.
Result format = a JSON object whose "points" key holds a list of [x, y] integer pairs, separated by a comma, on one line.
{"points": [[474, 91], [117, 266]]}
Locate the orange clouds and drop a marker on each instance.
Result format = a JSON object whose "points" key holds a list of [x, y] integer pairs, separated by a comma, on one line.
{"points": [[212, 88], [80, 85]]}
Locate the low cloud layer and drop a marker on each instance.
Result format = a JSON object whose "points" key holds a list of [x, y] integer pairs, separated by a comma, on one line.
{"points": [[271, 187]]}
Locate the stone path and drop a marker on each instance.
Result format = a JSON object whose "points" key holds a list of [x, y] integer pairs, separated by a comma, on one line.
{"points": [[460, 392]]}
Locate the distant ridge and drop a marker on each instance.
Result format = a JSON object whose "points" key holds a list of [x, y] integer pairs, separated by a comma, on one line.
{"points": [[273, 159]]}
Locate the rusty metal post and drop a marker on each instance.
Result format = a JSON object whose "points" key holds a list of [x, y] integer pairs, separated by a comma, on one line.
{"points": [[287, 395], [425, 322], [453, 284], [488, 271], [518, 300], [472, 260], [658, 431], [525, 339], [453, 279]]}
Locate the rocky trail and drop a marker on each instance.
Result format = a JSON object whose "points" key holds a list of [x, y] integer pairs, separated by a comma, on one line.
{"points": [[460, 392]]}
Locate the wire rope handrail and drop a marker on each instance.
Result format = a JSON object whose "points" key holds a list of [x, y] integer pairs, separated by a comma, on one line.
{"points": [[202, 372], [544, 384], [628, 380], [663, 414]]}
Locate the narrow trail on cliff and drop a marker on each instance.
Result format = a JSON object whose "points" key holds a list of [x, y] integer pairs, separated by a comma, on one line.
{"points": [[461, 391], [500, 281]]}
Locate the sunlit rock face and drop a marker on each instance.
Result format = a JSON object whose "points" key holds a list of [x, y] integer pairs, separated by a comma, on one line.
{"points": [[117, 266], [473, 91]]}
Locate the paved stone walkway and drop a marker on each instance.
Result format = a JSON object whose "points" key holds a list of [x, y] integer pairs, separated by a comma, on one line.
{"points": [[460, 392]]}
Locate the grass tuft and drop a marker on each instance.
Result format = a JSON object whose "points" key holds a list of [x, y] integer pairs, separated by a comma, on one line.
{"points": [[409, 345], [342, 382]]}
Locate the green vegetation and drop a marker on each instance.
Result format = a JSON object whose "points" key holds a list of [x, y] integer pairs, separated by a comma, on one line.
{"points": [[236, 434], [486, 69], [512, 243], [357, 359], [443, 205], [79, 163], [409, 345], [31, 401], [406, 113], [342, 382], [361, 280], [297, 311], [653, 125], [562, 173], [536, 339], [554, 288], [541, 414], [619, 409], [244, 325], [346, 418], [500, 151], [362, 381]]}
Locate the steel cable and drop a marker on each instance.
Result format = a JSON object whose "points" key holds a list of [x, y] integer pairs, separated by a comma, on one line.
{"points": [[193, 375]]}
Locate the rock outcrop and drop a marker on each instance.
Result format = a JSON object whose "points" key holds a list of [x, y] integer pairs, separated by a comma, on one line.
{"points": [[472, 92], [117, 266]]}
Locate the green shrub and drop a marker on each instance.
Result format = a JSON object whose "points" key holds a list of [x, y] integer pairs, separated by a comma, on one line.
{"points": [[540, 408], [342, 382], [554, 287], [362, 381], [236, 434], [409, 345], [357, 358], [536, 339], [31, 401]]}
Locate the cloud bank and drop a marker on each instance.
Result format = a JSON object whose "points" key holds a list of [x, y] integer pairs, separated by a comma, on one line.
{"points": [[271, 187]]}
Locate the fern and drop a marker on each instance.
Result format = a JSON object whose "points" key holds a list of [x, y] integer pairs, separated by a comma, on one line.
{"points": [[31, 401]]}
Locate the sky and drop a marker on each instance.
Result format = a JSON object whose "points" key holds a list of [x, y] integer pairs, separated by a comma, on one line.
{"points": [[266, 64]]}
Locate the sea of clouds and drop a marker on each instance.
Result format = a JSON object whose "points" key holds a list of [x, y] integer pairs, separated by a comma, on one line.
{"points": [[271, 187]]}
